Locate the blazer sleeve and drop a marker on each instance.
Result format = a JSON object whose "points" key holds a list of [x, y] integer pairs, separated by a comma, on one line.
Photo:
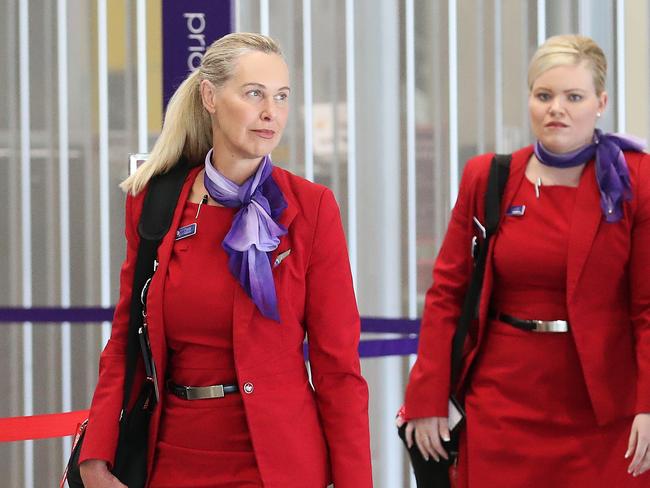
{"points": [[101, 435], [639, 269], [428, 388], [333, 329]]}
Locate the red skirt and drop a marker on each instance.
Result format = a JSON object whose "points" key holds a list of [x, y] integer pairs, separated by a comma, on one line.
{"points": [[204, 444], [530, 422]]}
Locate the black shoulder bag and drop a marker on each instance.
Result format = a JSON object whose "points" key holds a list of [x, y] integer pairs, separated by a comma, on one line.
{"points": [[432, 474], [130, 465]]}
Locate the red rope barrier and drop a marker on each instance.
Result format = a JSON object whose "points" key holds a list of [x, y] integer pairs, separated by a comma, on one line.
{"points": [[40, 426]]}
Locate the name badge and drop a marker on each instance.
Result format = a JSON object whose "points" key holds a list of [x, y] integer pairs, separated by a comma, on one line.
{"points": [[516, 210], [186, 231]]}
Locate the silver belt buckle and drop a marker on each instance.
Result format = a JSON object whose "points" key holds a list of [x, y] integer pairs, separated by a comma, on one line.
{"points": [[551, 326], [204, 392]]}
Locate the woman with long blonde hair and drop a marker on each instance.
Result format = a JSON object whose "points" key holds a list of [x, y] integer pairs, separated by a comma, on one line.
{"points": [[255, 261]]}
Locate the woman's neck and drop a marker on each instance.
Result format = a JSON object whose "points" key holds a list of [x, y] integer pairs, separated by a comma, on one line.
{"points": [[553, 176], [236, 170]]}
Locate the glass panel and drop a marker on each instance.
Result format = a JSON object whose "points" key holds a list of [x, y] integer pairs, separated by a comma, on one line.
{"points": [[432, 138], [285, 25]]}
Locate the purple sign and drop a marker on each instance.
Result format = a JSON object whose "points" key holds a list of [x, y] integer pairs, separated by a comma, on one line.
{"points": [[189, 27]]}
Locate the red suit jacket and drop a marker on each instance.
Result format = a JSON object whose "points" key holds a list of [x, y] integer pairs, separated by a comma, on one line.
{"points": [[302, 436], [608, 293]]}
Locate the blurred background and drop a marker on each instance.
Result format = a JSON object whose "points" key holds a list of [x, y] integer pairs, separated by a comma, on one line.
{"points": [[389, 98]]}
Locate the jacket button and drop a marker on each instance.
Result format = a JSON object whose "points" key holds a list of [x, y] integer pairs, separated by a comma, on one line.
{"points": [[248, 387]]}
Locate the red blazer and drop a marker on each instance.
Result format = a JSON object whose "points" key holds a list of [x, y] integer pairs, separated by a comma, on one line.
{"points": [[608, 293], [302, 436]]}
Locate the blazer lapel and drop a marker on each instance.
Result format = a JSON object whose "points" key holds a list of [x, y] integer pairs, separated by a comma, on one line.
{"points": [[157, 335], [242, 314], [155, 308], [515, 177], [285, 219], [586, 219], [243, 307]]}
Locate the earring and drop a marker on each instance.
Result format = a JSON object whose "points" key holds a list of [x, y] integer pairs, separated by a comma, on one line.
{"points": [[598, 114]]}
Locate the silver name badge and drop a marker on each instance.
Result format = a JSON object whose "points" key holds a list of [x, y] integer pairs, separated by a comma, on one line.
{"points": [[186, 231], [516, 210]]}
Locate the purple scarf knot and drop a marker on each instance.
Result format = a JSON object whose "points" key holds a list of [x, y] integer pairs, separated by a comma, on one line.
{"points": [[254, 231], [612, 174]]}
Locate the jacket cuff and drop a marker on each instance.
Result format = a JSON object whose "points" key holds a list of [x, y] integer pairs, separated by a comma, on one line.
{"points": [[426, 402], [98, 444]]}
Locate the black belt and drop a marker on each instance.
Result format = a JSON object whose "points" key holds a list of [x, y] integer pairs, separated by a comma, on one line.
{"points": [[531, 325], [200, 392]]}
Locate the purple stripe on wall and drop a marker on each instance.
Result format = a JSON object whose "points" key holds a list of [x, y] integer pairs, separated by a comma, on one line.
{"points": [[376, 348], [368, 348], [100, 314], [56, 314], [189, 27]]}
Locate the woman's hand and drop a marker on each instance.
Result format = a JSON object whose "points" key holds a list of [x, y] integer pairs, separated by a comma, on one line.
{"points": [[639, 444], [428, 432], [95, 474]]}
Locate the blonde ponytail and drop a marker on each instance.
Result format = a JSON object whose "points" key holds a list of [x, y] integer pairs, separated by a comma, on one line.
{"points": [[187, 128], [186, 131]]}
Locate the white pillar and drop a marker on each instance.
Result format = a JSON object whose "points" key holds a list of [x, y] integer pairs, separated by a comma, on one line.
{"points": [[379, 279]]}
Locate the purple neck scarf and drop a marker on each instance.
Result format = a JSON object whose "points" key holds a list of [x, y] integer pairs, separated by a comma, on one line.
{"points": [[254, 231], [612, 174]]}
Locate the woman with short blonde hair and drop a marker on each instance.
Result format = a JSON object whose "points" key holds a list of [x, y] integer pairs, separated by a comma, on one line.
{"points": [[556, 370]]}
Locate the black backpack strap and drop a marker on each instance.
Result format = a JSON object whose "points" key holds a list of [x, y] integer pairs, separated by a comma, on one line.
{"points": [[499, 171], [497, 179], [156, 218]]}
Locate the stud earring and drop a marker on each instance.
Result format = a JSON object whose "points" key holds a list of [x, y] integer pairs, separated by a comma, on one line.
{"points": [[598, 114]]}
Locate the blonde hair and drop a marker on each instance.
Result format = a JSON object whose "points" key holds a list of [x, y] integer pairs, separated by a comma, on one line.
{"points": [[569, 49], [187, 128]]}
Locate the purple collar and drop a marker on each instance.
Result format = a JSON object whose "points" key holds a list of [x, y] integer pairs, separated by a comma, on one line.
{"points": [[255, 231], [612, 174]]}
